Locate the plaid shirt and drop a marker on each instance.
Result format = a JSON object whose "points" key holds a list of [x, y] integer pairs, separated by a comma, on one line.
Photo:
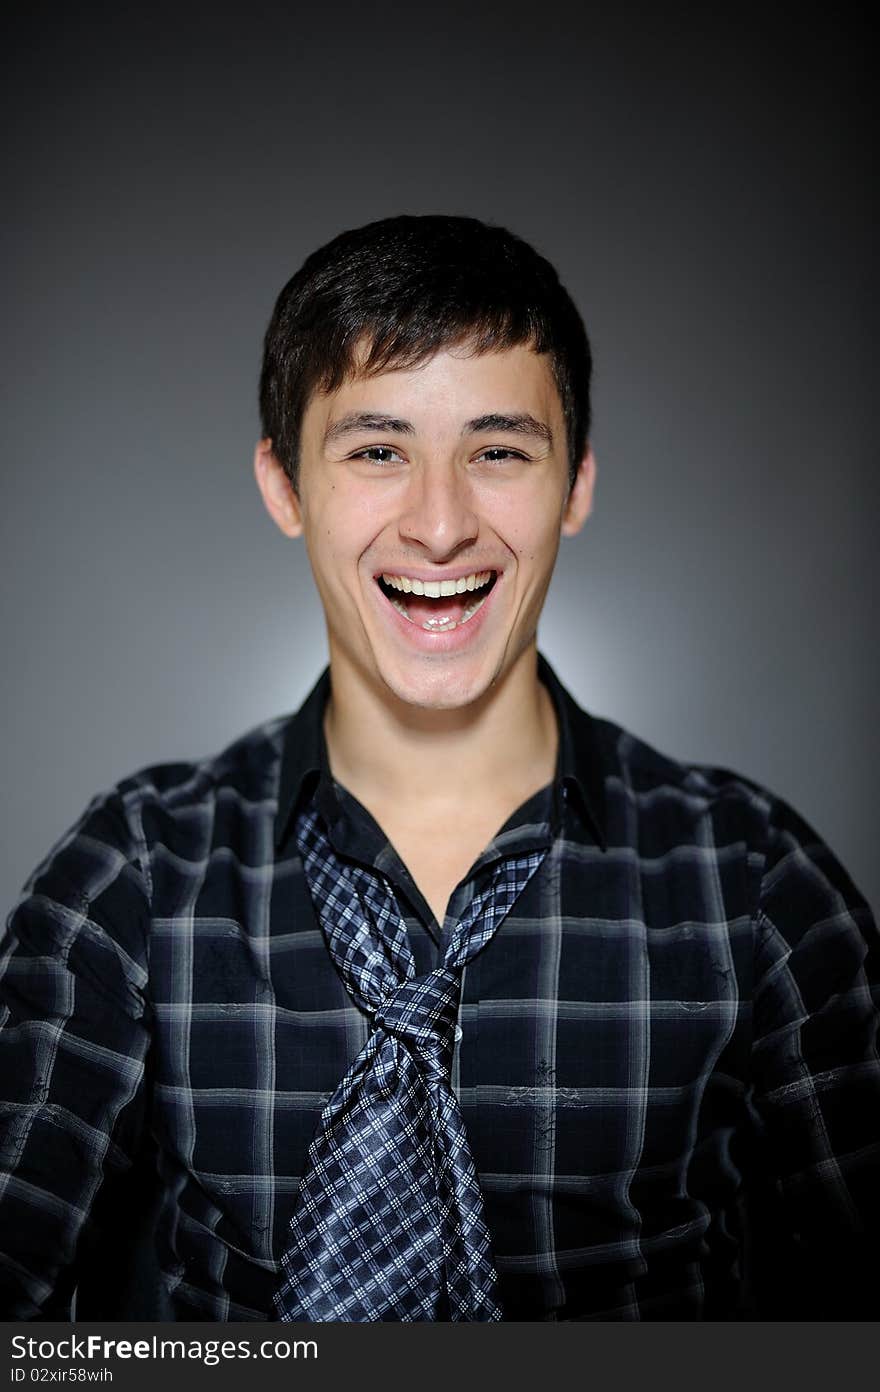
{"points": [[672, 1032]]}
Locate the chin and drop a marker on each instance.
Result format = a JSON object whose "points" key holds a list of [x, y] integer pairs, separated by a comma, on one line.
{"points": [[440, 690]]}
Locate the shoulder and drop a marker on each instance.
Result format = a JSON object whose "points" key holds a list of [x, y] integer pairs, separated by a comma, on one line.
{"points": [[247, 768], [658, 804], [665, 800], [649, 799], [664, 804], [184, 807], [161, 803]]}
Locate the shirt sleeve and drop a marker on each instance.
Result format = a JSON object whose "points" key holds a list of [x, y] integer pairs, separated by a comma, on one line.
{"points": [[816, 1072], [73, 1038]]}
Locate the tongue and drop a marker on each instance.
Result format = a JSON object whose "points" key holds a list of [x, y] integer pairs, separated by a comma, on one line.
{"points": [[449, 607]]}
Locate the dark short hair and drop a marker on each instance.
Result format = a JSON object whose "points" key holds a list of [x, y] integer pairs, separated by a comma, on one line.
{"points": [[405, 287]]}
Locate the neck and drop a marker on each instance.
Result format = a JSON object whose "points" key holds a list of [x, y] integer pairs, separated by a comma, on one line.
{"points": [[386, 751]]}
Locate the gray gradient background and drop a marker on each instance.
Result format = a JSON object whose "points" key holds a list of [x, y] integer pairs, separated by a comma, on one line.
{"points": [[701, 184]]}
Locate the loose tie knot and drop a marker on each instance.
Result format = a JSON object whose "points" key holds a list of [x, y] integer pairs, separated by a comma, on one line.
{"points": [[422, 1012]]}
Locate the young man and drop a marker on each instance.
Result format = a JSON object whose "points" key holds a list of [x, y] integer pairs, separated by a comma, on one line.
{"points": [[441, 999]]}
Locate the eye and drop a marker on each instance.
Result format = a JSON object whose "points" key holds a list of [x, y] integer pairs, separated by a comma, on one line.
{"points": [[497, 454], [378, 454]]}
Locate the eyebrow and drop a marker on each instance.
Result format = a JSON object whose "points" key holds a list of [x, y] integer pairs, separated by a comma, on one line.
{"points": [[357, 421], [521, 424]]}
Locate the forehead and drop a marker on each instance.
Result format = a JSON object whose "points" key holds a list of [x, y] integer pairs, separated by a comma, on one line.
{"points": [[450, 387]]}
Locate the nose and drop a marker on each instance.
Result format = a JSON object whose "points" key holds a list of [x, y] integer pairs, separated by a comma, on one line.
{"points": [[438, 511]]}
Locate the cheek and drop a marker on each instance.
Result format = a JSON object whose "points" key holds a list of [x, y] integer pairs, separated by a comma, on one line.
{"points": [[340, 527], [527, 527]]}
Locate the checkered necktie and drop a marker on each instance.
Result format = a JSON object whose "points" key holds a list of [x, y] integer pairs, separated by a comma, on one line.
{"points": [[389, 1222]]}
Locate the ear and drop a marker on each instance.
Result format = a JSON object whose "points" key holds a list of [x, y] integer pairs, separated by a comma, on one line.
{"points": [[277, 491], [579, 503]]}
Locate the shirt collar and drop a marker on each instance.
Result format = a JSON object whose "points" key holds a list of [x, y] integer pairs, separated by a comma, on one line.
{"points": [[303, 757], [582, 761], [580, 767]]}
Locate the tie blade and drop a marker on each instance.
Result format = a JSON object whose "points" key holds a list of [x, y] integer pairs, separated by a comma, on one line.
{"points": [[365, 1242]]}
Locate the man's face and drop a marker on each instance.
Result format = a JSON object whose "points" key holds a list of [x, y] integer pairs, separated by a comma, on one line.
{"points": [[452, 475]]}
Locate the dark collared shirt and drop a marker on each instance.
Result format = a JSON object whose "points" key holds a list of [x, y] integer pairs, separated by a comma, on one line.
{"points": [[672, 1030]]}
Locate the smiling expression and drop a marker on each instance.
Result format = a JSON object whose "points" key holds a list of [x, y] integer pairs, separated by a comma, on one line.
{"points": [[432, 500]]}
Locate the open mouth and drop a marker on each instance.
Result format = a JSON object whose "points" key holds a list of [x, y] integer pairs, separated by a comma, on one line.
{"points": [[439, 606]]}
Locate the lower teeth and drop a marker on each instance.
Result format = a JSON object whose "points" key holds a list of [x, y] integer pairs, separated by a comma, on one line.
{"points": [[442, 625]]}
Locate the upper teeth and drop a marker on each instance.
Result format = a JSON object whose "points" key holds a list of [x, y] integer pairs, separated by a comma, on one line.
{"points": [[435, 588]]}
